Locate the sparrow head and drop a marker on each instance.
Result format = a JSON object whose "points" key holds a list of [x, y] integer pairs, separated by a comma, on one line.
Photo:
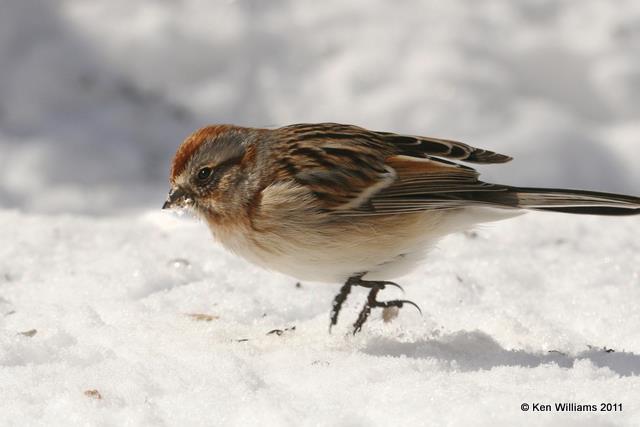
{"points": [[209, 171]]}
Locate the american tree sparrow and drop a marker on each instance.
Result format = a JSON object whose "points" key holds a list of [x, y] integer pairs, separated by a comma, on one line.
{"points": [[339, 203]]}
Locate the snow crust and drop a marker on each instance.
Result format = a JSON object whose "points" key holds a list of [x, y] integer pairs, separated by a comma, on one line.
{"points": [[169, 329]]}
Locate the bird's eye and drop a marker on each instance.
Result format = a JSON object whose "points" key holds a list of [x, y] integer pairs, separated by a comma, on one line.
{"points": [[204, 173]]}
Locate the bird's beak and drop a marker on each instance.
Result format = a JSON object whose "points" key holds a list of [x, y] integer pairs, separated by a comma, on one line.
{"points": [[178, 197]]}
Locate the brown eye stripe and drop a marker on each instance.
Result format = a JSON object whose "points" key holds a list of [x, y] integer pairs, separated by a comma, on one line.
{"points": [[229, 162], [216, 170]]}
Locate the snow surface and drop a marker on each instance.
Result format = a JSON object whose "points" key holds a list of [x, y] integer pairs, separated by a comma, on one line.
{"points": [[104, 300], [519, 311]]}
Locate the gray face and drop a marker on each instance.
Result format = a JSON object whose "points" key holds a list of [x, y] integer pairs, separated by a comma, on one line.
{"points": [[211, 175]]}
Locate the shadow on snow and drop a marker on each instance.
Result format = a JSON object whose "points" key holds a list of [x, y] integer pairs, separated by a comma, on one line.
{"points": [[472, 351]]}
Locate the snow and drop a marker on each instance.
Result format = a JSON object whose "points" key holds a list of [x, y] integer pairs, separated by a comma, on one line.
{"points": [[518, 311], [114, 313]]}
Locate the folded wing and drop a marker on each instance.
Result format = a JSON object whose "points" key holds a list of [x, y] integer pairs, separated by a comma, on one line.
{"points": [[353, 171]]}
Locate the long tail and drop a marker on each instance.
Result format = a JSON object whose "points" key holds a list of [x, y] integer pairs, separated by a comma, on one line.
{"points": [[561, 200]]}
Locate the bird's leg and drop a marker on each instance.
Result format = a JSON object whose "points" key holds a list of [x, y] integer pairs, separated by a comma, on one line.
{"points": [[366, 310], [376, 286], [340, 299]]}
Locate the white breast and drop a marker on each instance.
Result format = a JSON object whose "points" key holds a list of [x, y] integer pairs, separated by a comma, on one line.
{"points": [[385, 247]]}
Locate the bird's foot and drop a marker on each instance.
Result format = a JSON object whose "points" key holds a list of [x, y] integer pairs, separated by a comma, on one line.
{"points": [[372, 302]]}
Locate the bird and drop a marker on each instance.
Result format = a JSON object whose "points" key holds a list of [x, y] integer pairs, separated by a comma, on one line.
{"points": [[339, 203]]}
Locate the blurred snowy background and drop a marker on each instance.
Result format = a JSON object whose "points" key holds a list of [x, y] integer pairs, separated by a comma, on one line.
{"points": [[96, 96]]}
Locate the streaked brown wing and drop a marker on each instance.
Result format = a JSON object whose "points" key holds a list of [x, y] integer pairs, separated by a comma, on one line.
{"points": [[354, 171], [426, 184], [408, 145], [342, 165]]}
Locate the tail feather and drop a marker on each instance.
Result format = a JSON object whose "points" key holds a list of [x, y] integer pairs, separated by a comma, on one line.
{"points": [[575, 201]]}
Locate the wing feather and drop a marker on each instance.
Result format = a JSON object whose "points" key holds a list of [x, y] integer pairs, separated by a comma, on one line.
{"points": [[427, 184], [422, 146], [354, 171]]}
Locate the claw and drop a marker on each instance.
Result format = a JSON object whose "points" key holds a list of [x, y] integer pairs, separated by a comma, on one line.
{"points": [[394, 285], [404, 301], [379, 284], [395, 303]]}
